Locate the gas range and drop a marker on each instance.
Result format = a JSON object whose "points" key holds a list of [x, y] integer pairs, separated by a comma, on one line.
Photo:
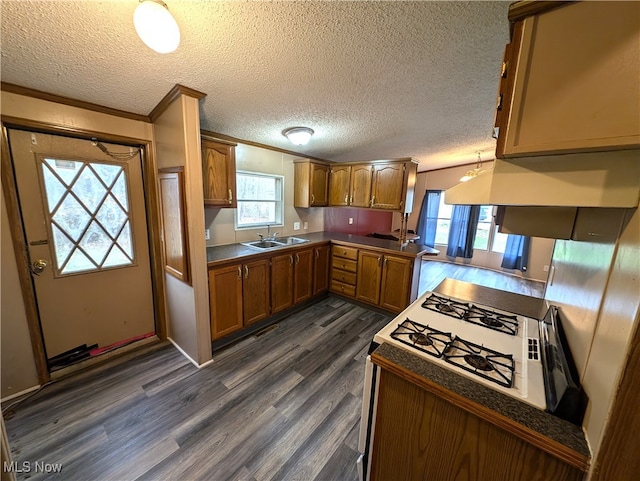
{"points": [[498, 349]]}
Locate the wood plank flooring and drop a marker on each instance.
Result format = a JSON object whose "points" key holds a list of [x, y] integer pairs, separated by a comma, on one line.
{"points": [[433, 272], [282, 404]]}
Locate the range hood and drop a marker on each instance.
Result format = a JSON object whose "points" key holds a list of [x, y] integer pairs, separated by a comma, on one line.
{"points": [[594, 179]]}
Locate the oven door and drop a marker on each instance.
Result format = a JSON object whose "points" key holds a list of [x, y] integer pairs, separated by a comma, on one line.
{"points": [[367, 418]]}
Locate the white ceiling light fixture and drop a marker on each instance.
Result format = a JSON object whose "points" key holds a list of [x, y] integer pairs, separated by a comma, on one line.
{"points": [[473, 172], [298, 135], [156, 26]]}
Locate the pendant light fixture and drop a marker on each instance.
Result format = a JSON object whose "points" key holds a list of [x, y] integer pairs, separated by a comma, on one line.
{"points": [[298, 135], [156, 26], [473, 172]]}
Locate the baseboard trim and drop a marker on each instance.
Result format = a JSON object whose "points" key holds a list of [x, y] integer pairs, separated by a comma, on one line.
{"points": [[182, 351], [21, 393]]}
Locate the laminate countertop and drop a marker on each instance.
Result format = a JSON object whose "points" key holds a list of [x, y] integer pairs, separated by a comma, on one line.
{"points": [[217, 255], [527, 306], [558, 435]]}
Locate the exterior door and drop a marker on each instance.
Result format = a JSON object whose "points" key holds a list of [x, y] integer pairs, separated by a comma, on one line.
{"points": [[84, 218]]}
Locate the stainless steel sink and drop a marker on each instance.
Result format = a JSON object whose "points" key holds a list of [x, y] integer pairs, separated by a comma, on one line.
{"points": [[272, 244], [289, 241], [263, 244]]}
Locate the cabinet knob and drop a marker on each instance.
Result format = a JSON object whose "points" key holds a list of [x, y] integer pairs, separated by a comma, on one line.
{"points": [[346, 198], [503, 71], [291, 260], [246, 272], [499, 102], [230, 196], [239, 272], [313, 198], [496, 132]]}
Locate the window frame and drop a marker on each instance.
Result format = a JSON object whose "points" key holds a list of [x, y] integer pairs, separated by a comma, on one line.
{"points": [[279, 204]]}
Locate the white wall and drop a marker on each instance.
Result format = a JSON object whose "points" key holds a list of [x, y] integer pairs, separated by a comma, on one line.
{"points": [[443, 179], [221, 222], [177, 133]]}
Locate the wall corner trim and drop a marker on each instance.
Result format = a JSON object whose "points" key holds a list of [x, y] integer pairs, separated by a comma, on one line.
{"points": [[182, 351], [173, 94]]}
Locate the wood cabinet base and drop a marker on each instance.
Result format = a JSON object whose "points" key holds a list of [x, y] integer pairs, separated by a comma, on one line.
{"points": [[420, 436]]}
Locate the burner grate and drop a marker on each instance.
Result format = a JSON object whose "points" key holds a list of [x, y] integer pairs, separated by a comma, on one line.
{"points": [[445, 306], [423, 338], [493, 320], [482, 361]]}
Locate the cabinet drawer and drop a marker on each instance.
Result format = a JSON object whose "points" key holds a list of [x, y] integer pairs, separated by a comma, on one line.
{"points": [[346, 252], [341, 288], [344, 264], [343, 276]]}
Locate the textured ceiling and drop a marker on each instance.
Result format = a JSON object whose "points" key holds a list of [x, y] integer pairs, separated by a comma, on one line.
{"points": [[373, 79]]}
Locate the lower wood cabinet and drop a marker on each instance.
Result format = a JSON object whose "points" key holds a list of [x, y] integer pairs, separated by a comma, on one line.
{"points": [[302, 275], [369, 276], [396, 282], [321, 269], [225, 300], [420, 436], [256, 292], [281, 282], [384, 280]]}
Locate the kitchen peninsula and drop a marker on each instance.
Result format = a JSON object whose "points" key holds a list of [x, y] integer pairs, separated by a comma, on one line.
{"points": [[251, 287]]}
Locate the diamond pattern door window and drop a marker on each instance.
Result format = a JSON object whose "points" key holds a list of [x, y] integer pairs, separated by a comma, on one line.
{"points": [[88, 212]]}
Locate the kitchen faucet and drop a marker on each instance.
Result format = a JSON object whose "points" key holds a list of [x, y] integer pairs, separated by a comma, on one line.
{"points": [[269, 236]]}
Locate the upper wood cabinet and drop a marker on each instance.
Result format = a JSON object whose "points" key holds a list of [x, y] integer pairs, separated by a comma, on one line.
{"points": [[339, 178], [311, 184], [569, 81], [392, 185], [219, 173], [350, 185]]}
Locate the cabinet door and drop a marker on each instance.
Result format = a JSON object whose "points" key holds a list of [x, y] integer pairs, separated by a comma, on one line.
{"points": [[225, 300], [387, 186], [281, 282], [360, 185], [576, 91], [319, 185], [339, 178], [256, 293], [321, 269], [368, 278], [302, 275], [396, 283], [219, 173]]}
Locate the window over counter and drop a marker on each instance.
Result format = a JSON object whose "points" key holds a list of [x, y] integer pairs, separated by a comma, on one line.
{"points": [[260, 200]]}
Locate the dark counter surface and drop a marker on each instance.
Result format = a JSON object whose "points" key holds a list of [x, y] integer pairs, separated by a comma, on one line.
{"points": [[225, 253], [550, 426], [527, 306]]}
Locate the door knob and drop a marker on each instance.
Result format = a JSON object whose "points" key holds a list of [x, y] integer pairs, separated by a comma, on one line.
{"points": [[38, 266]]}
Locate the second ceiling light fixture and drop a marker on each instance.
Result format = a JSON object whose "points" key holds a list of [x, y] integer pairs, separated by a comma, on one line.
{"points": [[156, 26]]}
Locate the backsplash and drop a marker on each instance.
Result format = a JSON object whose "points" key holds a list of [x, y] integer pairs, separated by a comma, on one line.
{"points": [[363, 221]]}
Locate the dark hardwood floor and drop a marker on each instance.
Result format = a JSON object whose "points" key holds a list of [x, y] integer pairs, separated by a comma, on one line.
{"points": [[282, 404], [434, 272]]}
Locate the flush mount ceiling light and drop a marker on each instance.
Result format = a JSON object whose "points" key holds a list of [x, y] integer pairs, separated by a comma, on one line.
{"points": [[156, 26], [473, 172], [298, 135]]}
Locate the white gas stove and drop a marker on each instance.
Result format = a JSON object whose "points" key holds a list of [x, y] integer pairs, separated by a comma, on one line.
{"points": [[495, 348]]}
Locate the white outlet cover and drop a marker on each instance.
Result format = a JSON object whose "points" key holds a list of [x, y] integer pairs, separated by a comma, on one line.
{"points": [[296, 226], [207, 234], [305, 226]]}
